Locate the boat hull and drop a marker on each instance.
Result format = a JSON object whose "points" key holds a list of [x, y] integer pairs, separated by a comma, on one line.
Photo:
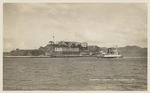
{"points": [[110, 56]]}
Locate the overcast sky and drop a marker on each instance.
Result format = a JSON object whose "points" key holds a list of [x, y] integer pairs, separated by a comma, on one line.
{"points": [[28, 26]]}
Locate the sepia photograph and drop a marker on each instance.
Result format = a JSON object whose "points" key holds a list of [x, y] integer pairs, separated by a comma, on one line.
{"points": [[75, 47]]}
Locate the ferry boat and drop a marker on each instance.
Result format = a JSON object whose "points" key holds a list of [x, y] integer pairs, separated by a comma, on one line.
{"points": [[111, 53]]}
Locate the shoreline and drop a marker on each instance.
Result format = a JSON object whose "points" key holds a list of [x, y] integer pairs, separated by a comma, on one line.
{"points": [[56, 57]]}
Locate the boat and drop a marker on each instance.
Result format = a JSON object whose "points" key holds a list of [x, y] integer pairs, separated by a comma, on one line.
{"points": [[111, 53], [112, 56]]}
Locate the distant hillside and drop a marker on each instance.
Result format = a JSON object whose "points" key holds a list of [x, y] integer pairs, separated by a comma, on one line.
{"points": [[131, 51]]}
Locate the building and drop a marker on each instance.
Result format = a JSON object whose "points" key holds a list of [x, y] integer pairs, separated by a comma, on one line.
{"points": [[67, 50], [84, 44], [64, 48]]}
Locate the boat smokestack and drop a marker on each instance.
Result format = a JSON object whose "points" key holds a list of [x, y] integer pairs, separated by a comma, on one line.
{"points": [[117, 49]]}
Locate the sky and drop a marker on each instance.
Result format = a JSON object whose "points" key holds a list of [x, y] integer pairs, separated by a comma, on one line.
{"points": [[29, 25]]}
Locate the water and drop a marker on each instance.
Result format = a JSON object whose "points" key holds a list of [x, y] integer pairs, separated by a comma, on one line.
{"points": [[75, 74]]}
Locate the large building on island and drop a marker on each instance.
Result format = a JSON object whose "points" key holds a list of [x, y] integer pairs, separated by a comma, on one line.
{"points": [[64, 48]]}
